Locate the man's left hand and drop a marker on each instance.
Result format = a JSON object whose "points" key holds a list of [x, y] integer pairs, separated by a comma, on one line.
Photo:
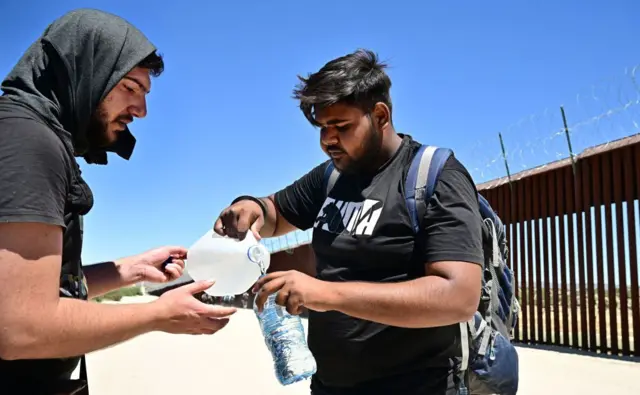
{"points": [[295, 290], [149, 266]]}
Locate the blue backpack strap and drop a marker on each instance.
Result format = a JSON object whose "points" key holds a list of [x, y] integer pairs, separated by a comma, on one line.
{"points": [[421, 180], [486, 211], [331, 175]]}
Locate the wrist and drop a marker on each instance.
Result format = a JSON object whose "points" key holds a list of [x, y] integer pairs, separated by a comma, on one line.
{"points": [[258, 201], [128, 271], [330, 298], [157, 315]]}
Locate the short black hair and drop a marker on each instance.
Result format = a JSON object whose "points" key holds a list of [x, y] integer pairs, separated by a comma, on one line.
{"points": [[154, 63], [356, 79]]}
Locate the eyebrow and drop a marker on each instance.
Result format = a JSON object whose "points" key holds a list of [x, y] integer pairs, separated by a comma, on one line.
{"points": [[336, 121], [139, 83]]}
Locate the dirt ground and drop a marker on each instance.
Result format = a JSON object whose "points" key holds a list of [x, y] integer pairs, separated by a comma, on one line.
{"points": [[236, 361]]}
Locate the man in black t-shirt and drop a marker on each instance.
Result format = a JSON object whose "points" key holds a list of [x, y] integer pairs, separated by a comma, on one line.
{"points": [[385, 306], [73, 93]]}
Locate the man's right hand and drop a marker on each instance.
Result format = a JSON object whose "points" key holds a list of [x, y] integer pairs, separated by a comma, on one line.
{"points": [[181, 313], [236, 220]]}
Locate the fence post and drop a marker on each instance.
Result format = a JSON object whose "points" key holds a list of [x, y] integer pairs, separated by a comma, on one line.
{"points": [[566, 132], [504, 157]]}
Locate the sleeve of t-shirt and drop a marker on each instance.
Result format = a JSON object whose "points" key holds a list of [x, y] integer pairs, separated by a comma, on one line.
{"points": [[300, 202], [33, 176], [452, 222]]}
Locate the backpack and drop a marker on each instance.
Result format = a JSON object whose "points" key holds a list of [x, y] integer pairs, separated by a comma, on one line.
{"points": [[487, 352]]}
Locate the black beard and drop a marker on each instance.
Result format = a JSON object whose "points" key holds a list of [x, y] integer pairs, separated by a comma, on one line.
{"points": [[371, 147], [97, 130]]}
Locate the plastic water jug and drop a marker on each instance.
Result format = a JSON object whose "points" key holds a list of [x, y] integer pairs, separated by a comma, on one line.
{"points": [[234, 264]]}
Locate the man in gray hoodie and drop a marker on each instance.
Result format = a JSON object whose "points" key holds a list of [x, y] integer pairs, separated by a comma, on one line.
{"points": [[73, 94]]}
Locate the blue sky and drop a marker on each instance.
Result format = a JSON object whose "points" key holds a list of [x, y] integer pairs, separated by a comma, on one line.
{"points": [[222, 122]]}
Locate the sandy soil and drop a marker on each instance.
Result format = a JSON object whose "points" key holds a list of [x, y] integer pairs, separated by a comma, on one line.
{"points": [[236, 361]]}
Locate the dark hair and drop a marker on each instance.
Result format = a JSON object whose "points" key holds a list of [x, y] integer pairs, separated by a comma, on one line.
{"points": [[154, 63], [356, 79]]}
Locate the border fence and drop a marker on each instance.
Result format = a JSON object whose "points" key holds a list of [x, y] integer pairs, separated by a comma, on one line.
{"points": [[572, 227]]}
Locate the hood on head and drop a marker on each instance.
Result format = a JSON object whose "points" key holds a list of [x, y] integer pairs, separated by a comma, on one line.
{"points": [[65, 74]]}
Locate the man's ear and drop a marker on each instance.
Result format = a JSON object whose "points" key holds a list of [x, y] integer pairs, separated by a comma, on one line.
{"points": [[382, 115]]}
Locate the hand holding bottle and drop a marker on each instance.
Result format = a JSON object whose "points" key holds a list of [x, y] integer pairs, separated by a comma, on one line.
{"points": [[294, 290], [179, 312]]}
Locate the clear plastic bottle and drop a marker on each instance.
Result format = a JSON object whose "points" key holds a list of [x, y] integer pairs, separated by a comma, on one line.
{"points": [[234, 264], [286, 340]]}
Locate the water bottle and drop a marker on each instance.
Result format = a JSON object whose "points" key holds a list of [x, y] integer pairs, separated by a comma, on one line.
{"points": [[234, 264], [285, 338]]}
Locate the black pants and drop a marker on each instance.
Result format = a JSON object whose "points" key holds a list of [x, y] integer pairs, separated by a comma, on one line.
{"points": [[433, 382]]}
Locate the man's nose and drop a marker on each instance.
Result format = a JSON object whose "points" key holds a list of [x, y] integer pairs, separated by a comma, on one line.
{"points": [[139, 110], [328, 137]]}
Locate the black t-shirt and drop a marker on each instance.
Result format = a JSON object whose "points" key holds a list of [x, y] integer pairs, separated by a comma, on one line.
{"points": [[362, 232], [40, 182]]}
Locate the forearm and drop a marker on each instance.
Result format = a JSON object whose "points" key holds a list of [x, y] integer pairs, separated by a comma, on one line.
{"points": [[107, 276], [77, 327], [429, 301], [274, 222], [35, 322]]}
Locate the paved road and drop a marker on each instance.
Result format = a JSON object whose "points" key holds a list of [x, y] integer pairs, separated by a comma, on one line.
{"points": [[236, 361]]}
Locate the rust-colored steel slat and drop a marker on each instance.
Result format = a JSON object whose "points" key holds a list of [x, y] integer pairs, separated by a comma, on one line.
{"points": [[522, 263], [571, 261], [545, 198], [597, 202], [562, 260], [610, 278], [528, 204], [555, 311], [515, 246], [537, 248], [587, 191], [618, 171], [581, 264], [632, 192]]}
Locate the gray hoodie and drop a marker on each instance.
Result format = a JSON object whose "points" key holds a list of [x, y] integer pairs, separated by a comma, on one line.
{"points": [[66, 73]]}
